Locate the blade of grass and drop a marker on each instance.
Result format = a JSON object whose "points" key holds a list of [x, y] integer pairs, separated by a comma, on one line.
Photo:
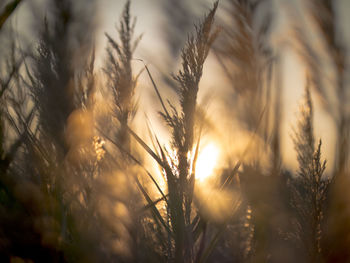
{"points": [[156, 89], [153, 207], [151, 133], [146, 147], [136, 161], [212, 245], [153, 204]]}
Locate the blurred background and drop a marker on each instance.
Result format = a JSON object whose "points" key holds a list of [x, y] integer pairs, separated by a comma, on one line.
{"points": [[174, 131]]}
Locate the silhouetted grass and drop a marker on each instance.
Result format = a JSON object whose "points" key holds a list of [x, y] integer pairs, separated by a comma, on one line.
{"points": [[76, 183]]}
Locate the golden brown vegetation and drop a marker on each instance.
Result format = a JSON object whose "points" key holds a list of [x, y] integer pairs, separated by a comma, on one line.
{"points": [[79, 181]]}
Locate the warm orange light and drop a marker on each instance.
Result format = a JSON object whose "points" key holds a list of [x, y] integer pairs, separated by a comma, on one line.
{"points": [[207, 161]]}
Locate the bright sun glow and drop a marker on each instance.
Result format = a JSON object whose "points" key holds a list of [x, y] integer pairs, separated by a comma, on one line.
{"points": [[206, 162]]}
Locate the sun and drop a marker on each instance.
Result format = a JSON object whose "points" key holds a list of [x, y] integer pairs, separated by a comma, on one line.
{"points": [[207, 161]]}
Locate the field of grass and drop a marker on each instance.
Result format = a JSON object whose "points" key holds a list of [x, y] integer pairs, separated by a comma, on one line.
{"points": [[87, 175]]}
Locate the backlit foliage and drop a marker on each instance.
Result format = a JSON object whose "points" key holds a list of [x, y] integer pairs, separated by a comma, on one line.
{"points": [[84, 177]]}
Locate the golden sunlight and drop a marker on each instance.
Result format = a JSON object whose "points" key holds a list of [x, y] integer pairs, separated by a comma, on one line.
{"points": [[206, 162]]}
